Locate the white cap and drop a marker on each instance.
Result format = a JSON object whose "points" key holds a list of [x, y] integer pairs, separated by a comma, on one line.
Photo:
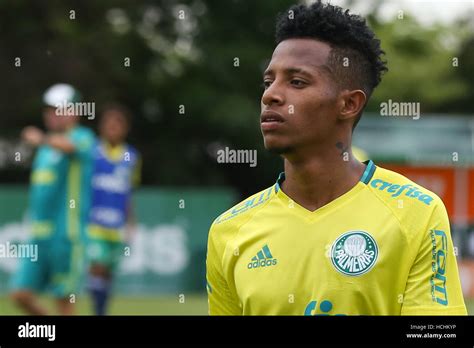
{"points": [[60, 93]]}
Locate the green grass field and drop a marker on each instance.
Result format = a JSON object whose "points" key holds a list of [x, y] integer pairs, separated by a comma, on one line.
{"points": [[164, 305], [121, 305]]}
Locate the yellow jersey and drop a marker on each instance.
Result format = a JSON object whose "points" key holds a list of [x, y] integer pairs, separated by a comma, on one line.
{"points": [[382, 248]]}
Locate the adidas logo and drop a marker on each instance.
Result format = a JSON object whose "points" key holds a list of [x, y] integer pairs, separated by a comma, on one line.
{"points": [[263, 258]]}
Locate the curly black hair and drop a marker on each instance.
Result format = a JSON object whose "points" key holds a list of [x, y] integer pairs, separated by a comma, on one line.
{"points": [[349, 37]]}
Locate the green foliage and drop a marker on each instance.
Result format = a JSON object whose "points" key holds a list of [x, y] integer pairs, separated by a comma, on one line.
{"points": [[421, 66], [190, 63]]}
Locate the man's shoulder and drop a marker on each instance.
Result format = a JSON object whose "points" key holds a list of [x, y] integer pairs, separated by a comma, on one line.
{"points": [[130, 148], [240, 213], [133, 152], [82, 137], [404, 196]]}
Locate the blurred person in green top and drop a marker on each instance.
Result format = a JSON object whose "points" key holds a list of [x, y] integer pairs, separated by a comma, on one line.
{"points": [[58, 208]]}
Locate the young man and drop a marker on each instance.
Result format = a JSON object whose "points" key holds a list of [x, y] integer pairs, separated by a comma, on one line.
{"points": [[58, 206], [333, 236], [116, 171]]}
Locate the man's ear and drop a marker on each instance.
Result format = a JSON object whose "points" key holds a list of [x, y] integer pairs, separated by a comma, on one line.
{"points": [[352, 103]]}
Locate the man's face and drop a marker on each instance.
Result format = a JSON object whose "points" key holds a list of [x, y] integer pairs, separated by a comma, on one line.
{"points": [[300, 98], [113, 127], [52, 122]]}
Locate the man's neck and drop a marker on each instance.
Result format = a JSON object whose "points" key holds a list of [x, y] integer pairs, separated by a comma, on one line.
{"points": [[315, 181], [70, 127], [112, 144]]}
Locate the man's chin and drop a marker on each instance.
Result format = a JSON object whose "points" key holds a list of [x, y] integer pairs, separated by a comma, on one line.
{"points": [[277, 149]]}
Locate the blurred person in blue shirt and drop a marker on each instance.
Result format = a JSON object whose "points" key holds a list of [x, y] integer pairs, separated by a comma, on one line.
{"points": [[116, 173]]}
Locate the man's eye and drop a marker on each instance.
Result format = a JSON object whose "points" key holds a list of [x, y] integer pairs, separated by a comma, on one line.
{"points": [[298, 83], [266, 84]]}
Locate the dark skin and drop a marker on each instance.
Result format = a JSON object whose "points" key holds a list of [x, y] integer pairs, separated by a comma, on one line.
{"points": [[113, 127], [313, 131]]}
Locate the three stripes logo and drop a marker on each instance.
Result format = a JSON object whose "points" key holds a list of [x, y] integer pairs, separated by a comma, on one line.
{"points": [[264, 258]]}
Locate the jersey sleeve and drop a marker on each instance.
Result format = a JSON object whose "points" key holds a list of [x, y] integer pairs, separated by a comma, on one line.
{"points": [[222, 301], [83, 141], [433, 286]]}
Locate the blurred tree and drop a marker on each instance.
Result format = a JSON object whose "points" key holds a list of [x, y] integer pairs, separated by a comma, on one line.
{"points": [[191, 72], [422, 64]]}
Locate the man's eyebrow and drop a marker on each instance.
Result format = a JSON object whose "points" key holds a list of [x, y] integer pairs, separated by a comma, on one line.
{"points": [[289, 71]]}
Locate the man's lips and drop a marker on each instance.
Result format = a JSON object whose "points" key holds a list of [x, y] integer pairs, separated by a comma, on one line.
{"points": [[271, 120], [271, 116]]}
